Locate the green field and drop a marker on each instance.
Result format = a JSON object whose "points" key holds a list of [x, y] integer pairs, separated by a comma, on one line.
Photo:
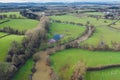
{"points": [[2, 34], [20, 24], [102, 33], [11, 13], [108, 74], [91, 58], [95, 13], [5, 44], [117, 25], [24, 72], [68, 18], [69, 31], [83, 19], [4, 20], [105, 34], [64, 62]]}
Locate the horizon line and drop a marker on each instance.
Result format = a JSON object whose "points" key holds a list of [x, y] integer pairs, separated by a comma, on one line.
{"points": [[59, 2]]}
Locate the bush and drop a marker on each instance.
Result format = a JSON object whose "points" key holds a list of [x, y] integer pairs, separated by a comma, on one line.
{"points": [[79, 72], [36, 57], [6, 71], [9, 58], [33, 70]]}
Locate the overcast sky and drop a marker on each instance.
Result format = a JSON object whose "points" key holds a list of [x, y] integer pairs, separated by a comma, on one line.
{"points": [[57, 0]]}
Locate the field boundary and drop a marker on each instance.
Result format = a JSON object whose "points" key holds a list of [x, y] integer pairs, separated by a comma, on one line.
{"points": [[102, 67], [4, 36], [66, 22], [4, 21]]}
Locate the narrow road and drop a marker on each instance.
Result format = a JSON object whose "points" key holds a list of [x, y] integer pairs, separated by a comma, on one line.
{"points": [[44, 71], [85, 36]]}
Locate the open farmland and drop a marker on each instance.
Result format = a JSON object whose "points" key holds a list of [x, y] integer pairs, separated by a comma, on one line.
{"points": [[103, 34], [59, 41], [68, 18], [82, 19], [116, 25], [20, 24], [95, 13], [5, 44], [71, 57], [23, 24], [26, 69], [3, 20], [66, 29], [2, 34], [109, 74]]}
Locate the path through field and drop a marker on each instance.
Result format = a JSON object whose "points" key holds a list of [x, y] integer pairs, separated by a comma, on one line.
{"points": [[43, 70]]}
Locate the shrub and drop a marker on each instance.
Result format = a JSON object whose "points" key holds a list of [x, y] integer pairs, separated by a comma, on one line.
{"points": [[33, 70], [36, 57], [6, 70], [79, 72]]}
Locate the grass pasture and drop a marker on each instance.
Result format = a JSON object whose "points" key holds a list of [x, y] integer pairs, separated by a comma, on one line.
{"points": [[24, 72], [2, 34], [3, 20], [20, 24], [69, 31], [105, 34], [108, 74], [95, 13], [68, 18], [5, 44], [72, 56], [117, 25], [83, 19], [64, 62]]}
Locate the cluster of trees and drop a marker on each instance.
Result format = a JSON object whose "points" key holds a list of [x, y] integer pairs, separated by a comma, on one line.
{"points": [[12, 31], [100, 46], [6, 70], [12, 16], [115, 46], [3, 16], [29, 14], [20, 52], [109, 16]]}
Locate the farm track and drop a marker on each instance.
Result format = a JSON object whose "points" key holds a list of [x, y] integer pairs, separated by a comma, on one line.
{"points": [[44, 71]]}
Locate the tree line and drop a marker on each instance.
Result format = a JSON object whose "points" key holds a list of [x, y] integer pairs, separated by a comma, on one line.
{"points": [[12, 31], [12, 16]]}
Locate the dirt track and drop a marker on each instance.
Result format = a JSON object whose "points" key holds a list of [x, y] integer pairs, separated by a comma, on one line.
{"points": [[43, 70]]}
